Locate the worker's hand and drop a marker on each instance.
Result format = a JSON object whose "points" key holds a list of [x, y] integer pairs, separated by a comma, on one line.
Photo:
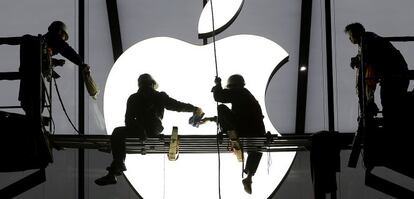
{"points": [[85, 68], [355, 62], [217, 81], [198, 111]]}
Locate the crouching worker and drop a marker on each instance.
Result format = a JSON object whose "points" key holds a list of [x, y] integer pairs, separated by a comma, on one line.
{"points": [[143, 118], [245, 119]]}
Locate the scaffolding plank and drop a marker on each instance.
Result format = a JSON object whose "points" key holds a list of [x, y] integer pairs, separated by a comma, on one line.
{"points": [[194, 143]]}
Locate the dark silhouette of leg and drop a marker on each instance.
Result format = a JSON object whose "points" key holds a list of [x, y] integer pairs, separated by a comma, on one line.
{"points": [[252, 163], [119, 153], [225, 118]]}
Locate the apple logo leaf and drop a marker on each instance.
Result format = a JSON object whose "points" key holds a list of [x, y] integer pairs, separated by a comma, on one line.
{"points": [[224, 11]]}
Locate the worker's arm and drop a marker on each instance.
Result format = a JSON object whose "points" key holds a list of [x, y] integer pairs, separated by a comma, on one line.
{"points": [[10, 40]]}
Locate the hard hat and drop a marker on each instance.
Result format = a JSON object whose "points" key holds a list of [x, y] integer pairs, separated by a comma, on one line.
{"points": [[146, 80], [235, 81], [57, 26]]}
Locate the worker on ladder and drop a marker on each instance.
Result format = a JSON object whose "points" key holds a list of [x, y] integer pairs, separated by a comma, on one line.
{"points": [[244, 119]]}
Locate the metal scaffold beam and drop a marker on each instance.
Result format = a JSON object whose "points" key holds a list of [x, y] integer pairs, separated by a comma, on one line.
{"points": [[195, 143]]}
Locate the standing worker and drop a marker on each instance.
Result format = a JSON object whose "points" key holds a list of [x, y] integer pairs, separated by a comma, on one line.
{"points": [[384, 64], [53, 42]]}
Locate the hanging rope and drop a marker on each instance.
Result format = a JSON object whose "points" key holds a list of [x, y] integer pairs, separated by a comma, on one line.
{"points": [[63, 107], [218, 128], [214, 37]]}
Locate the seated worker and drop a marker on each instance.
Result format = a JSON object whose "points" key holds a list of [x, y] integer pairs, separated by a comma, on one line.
{"points": [[245, 119], [54, 43], [143, 118], [384, 64]]}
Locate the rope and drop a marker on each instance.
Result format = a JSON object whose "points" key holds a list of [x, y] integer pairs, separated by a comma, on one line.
{"points": [[219, 161], [63, 107], [214, 37], [218, 129]]}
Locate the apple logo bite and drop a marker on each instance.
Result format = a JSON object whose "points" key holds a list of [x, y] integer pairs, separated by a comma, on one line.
{"points": [[186, 72]]}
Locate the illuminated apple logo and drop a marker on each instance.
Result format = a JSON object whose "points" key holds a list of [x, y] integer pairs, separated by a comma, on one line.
{"points": [[186, 72]]}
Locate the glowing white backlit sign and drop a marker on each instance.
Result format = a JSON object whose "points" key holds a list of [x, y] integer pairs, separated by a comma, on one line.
{"points": [[186, 72], [224, 12]]}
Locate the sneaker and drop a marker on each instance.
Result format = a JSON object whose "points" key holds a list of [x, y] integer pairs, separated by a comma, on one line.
{"points": [[106, 180], [247, 184]]}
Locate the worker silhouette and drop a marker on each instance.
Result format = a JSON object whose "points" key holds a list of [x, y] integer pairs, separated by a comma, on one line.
{"points": [[244, 119], [384, 65], [31, 49], [143, 118]]}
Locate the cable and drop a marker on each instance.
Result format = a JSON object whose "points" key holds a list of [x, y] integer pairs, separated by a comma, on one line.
{"points": [[214, 37], [63, 107], [218, 129], [219, 160], [67, 116], [49, 108]]}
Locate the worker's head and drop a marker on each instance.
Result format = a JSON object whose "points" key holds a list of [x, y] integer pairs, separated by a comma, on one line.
{"points": [[235, 81], [59, 28], [355, 32], [146, 81]]}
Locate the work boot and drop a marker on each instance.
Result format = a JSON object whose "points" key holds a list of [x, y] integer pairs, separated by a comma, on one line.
{"points": [[247, 184], [116, 168], [106, 180]]}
